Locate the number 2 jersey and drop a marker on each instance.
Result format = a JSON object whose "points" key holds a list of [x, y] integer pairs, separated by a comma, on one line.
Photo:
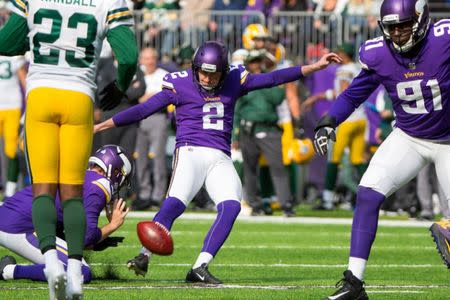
{"points": [[205, 119], [66, 38], [418, 85]]}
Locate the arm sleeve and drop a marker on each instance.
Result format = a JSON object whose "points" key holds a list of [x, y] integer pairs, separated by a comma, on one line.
{"points": [[13, 36], [123, 44], [253, 82], [137, 88], [143, 110], [93, 210], [359, 90]]}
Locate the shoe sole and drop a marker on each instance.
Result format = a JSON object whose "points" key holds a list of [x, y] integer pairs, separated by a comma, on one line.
{"points": [[136, 270], [440, 241], [59, 286]]}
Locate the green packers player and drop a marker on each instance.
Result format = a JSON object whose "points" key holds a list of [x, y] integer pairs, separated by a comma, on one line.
{"points": [[65, 39]]}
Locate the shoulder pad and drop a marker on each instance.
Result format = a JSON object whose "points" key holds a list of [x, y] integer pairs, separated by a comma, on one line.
{"points": [[370, 51], [171, 79], [104, 185]]}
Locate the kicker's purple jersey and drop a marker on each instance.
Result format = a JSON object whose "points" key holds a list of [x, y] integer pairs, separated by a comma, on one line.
{"points": [[15, 213], [419, 85], [205, 119]]}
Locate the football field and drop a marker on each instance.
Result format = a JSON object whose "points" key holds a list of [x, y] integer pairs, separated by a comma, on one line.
{"points": [[297, 258]]}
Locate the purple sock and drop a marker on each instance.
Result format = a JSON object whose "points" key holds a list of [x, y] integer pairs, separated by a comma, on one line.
{"points": [[171, 209], [36, 272], [227, 212], [365, 221]]}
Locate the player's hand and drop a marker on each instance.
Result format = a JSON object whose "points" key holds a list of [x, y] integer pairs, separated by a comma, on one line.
{"points": [[326, 60], [324, 132], [299, 131], [110, 96], [104, 125], [111, 241], [119, 213]]}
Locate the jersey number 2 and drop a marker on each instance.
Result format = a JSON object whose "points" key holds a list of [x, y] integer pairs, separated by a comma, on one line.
{"points": [[52, 58], [210, 116]]}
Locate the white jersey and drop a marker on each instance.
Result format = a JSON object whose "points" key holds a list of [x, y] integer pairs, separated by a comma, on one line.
{"points": [[66, 38], [346, 73], [10, 96]]}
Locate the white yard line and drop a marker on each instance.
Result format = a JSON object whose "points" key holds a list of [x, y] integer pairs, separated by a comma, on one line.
{"points": [[370, 288], [279, 219], [325, 266]]}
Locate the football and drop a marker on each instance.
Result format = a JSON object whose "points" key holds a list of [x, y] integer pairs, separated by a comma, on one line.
{"points": [[155, 237]]}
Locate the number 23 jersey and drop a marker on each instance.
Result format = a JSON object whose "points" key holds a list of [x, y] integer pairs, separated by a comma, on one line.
{"points": [[419, 85], [66, 38]]}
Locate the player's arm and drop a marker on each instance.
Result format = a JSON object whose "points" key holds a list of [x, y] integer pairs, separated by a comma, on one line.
{"points": [[124, 46], [118, 215], [139, 112], [357, 92], [266, 80], [13, 36]]}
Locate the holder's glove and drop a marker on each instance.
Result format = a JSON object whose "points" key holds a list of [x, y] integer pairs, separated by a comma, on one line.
{"points": [[299, 131], [324, 132], [110, 96], [108, 242]]}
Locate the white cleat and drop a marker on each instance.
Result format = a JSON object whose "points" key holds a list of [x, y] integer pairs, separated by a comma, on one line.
{"points": [[57, 281], [74, 290]]}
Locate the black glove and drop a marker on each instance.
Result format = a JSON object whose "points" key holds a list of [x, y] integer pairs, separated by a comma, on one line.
{"points": [[108, 242], [110, 96], [324, 132], [299, 131]]}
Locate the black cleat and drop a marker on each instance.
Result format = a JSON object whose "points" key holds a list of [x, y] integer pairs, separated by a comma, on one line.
{"points": [[4, 261], [441, 235], [139, 264], [201, 275], [350, 288]]}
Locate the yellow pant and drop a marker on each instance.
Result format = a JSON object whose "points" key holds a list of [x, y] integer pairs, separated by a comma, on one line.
{"points": [[9, 128], [351, 134], [58, 135]]}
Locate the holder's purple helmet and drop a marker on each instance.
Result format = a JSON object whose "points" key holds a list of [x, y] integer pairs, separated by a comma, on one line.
{"points": [[116, 163], [398, 11], [211, 57]]}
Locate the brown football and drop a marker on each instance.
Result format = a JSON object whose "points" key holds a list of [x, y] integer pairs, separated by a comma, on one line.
{"points": [[155, 237]]}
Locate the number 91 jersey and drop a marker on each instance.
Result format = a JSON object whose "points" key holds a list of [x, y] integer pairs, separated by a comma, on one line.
{"points": [[66, 38], [418, 83]]}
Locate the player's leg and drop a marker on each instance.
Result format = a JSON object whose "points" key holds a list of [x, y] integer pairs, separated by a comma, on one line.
{"points": [[441, 230], [396, 162], [190, 165], [343, 135], [225, 188], [27, 246], [358, 146], [11, 136], [75, 147], [250, 155], [42, 153]]}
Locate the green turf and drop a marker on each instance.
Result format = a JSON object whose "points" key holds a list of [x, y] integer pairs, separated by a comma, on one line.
{"points": [[263, 261]]}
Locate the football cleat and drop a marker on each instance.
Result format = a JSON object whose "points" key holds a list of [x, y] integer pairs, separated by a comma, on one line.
{"points": [[57, 281], [4, 261], [441, 235], [350, 288], [139, 264], [74, 289], [201, 275]]}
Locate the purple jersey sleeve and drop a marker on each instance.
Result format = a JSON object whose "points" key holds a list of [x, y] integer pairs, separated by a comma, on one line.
{"points": [[251, 82], [359, 91], [141, 111]]}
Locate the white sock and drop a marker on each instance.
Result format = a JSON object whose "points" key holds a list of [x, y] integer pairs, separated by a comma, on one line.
{"points": [[51, 258], [10, 188], [146, 251], [357, 266], [327, 197], [203, 258], [8, 272], [74, 267]]}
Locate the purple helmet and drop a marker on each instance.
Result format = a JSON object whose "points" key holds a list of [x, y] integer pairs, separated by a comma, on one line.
{"points": [[115, 162], [211, 57], [398, 11]]}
